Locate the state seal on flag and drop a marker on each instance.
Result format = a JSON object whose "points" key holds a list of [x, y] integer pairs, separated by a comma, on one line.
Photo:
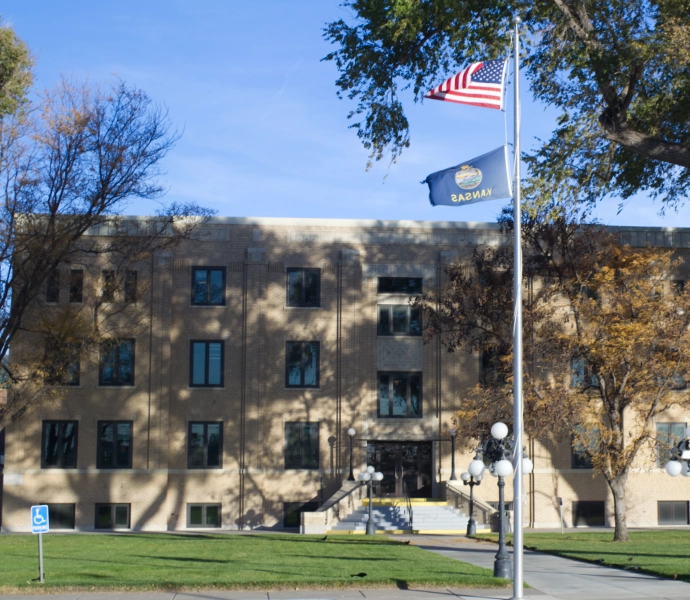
{"points": [[468, 177]]}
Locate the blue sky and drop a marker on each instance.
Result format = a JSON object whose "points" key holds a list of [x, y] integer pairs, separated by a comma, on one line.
{"points": [[263, 133]]}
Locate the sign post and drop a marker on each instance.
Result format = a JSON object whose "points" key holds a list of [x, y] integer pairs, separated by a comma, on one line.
{"points": [[560, 509], [40, 525]]}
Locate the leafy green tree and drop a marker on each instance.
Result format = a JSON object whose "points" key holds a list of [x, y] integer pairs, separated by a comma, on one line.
{"points": [[15, 71], [605, 342], [618, 71]]}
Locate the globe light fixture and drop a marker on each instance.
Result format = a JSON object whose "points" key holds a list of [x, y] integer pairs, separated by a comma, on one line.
{"points": [[370, 477], [351, 432]]}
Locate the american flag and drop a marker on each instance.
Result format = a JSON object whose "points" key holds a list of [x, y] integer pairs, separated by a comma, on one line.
{"points": [[480, 84]]}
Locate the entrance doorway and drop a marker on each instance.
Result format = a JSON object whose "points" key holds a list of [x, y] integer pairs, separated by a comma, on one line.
{"points": [[406, 467]]}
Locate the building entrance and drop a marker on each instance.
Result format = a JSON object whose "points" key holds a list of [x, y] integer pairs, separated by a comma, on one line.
{"points": [[406, 467]]}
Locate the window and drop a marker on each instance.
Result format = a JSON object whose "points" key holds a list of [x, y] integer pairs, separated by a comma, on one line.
{"points": [[62, 365], [76, 286], [590, 513], [581, 375], [302, 364], [203, 515], [399, 320], [205, 446], [208, 286], [400, 395], [61, 516], [292, 512], [579, 457], [53, 287], [667, 436], [108, 286], [304, 287], [669, 513], [112, 516], [59, 445], [117, 363], [400, 285], [114, 445], [130, 295], [301, 445], [492, 369], [206, 364]]}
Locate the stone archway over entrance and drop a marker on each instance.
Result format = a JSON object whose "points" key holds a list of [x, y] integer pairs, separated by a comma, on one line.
{"points": [[406, 467]]}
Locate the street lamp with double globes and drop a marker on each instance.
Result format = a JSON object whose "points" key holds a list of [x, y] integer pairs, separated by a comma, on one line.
{"points": [[351, 432], [471, 480], [499, 449], [679, 464], [370, 477]]}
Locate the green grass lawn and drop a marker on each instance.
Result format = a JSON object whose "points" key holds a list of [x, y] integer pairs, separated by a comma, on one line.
{"points": [[168, 561], [663, 553]]}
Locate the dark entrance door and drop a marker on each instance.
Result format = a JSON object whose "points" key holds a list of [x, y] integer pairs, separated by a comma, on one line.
{"points": [[406, 467]]}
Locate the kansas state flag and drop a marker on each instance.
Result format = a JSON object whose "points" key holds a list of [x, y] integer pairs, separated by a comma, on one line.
{"points": [[477, 180]]}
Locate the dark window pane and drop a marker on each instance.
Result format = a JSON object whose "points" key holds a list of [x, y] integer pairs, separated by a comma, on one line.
{"points": [[198, 363], [61, 516], [400, 285], [384, 320], [69, 444], [214, 445], [195, 514], [196, 445], [117, 363], [399, 319], [215, 294], [213, 515], [109, 285], [53, 287], [131, 286], [104, 517], [293, 451], [199, 287], [124, 445], [311, 288], [310, 446], [59, 444], [415, 395], [51, 444], [114, 445], [126, 366], [384, 405], [121, 515], [76, 285], [415, 321], [311, 363], [294, 293], [294, 363], [399, 396], [215, 363]]}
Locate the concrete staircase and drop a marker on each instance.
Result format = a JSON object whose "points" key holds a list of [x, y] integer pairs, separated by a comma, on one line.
{"points": [[391, 515]]}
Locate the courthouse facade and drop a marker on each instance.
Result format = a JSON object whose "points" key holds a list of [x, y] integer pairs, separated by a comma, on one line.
{"points": [[256, 347]]}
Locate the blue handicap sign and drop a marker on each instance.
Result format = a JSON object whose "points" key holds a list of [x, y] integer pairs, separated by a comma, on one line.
{"points": [[39, 519]]}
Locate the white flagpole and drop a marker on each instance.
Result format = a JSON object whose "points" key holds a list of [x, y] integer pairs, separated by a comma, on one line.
{"points": [[517, 338]]}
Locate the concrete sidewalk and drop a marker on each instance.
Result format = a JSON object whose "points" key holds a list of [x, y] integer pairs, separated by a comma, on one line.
{"points": [[551, 578]]}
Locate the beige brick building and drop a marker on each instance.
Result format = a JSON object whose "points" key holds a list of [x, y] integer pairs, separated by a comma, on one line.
{"points": [[257, 346]]}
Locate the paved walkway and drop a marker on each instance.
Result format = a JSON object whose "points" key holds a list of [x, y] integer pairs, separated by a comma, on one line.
{"points": [[550, 578]]}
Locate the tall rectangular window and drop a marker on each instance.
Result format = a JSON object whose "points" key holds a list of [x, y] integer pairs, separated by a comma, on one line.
{"points": [[205, 449], [400, 395], [581, 375], [130, 290], [399, 320], [208, 286], [62, 365], [112, 516], [302, 364], [304, 287], [53, 287], [301, 445], [114, 445], [206, 364], [667, 436], [400, 285], [76, 285], [59, 445], [108, 285], [116, 366]]}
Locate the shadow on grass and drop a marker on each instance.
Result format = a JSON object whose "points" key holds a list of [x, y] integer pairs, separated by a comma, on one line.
{"points": [[184, 559]]}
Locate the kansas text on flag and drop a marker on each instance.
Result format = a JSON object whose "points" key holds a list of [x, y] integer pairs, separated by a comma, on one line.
{"points": [[480, 84], [477, 180]]}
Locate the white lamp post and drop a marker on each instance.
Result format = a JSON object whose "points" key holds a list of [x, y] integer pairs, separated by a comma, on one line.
{"points": [[370, 477]]}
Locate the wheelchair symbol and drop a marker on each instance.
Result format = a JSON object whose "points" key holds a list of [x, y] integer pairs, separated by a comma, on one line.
{"points": [[39, 519]]}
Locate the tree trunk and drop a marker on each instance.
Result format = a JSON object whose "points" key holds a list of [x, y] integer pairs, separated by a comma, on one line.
{"points": [[617, 486]]}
